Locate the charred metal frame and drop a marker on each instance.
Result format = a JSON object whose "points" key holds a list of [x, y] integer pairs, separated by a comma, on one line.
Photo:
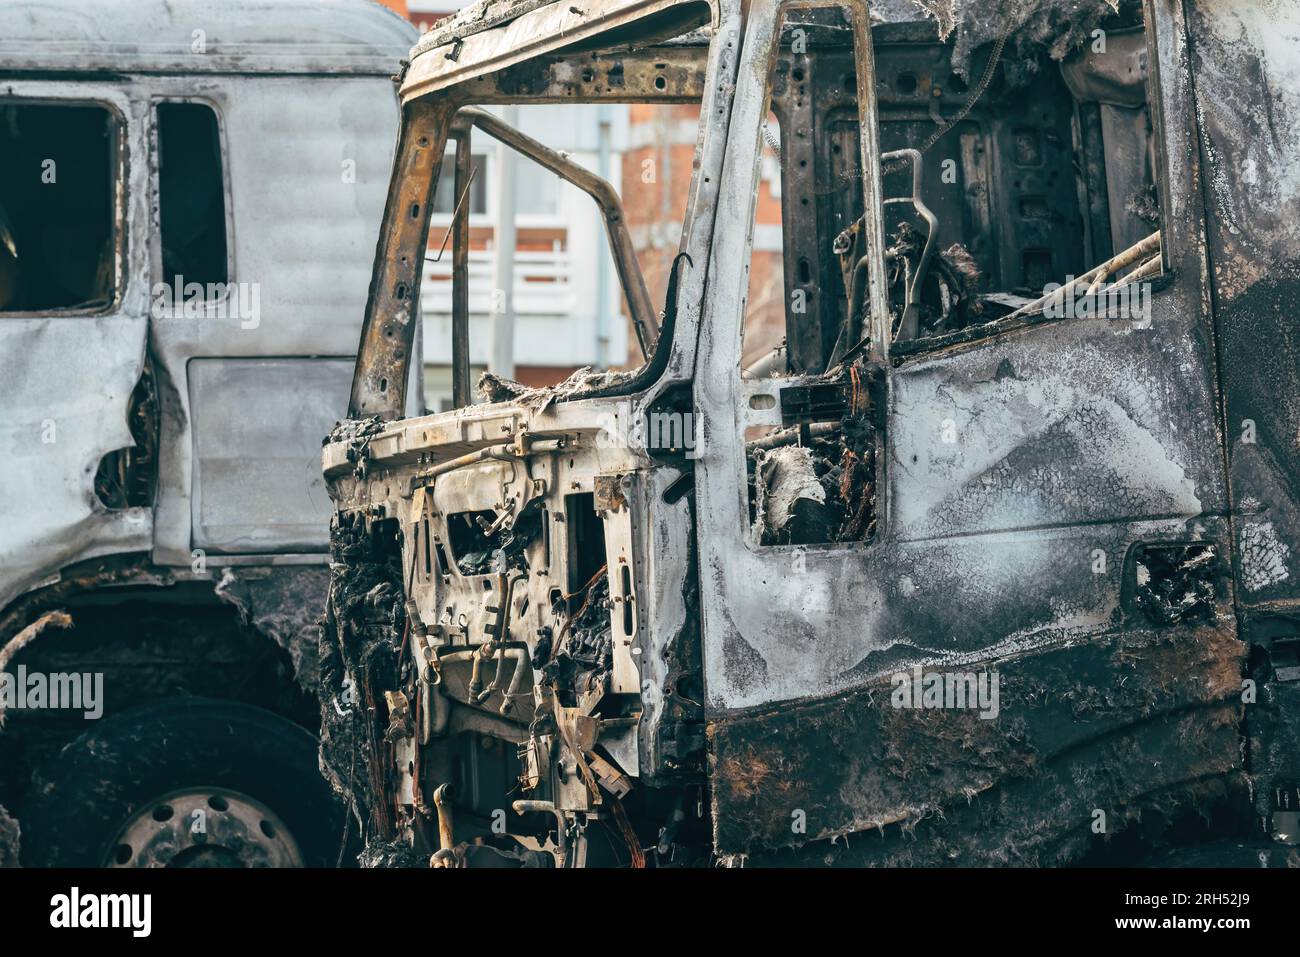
{"points": [[460, 388], [392, 310], [611, 211], [668, 74]]}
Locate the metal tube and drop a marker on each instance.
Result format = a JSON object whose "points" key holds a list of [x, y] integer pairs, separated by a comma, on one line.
{"points": [[519, 656], [639, 304], [909, 328], [446, 828], [503, 260], [548, 807], [1131, 255], [1152, 267], [771, 364], [500, 452], [460, 390], [603, 124], [790, 436]]}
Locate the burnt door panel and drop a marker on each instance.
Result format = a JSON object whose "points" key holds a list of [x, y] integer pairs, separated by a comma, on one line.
{"points": [[1049, 560], [1245, 59]]}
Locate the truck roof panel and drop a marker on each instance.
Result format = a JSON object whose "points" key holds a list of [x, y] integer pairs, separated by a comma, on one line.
{"points": [[202, 36]]}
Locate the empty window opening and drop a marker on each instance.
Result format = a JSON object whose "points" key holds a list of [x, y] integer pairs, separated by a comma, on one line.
{"points": [[586, 551], [587, 282], [191, 195], [812, 479], [58, 234]]}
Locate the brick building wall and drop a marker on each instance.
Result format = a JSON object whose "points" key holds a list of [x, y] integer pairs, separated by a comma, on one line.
{"points": [[657, 166]]}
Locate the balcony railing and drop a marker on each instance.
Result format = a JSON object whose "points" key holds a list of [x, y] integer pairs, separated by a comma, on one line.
{"points": [[542, 284]]}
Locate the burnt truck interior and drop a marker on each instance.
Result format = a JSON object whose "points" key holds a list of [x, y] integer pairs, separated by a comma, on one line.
{"points": [[516, 667], [999, 186], [512, 693], [994, 186]]}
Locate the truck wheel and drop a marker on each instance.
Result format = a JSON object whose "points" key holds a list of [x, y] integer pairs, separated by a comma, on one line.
{"points": [[188, 782]]}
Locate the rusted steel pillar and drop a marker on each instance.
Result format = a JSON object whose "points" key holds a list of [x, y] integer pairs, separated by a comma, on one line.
{"points": [[460, 395]]}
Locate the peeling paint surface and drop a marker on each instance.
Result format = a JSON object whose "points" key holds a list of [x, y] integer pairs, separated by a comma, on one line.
{"points": [[1264, 557]]}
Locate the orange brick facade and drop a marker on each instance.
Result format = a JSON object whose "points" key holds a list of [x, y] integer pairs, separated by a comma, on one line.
{"points": [[657, 168]]}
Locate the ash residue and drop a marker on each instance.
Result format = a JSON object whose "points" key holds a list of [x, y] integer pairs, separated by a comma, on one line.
{"points": [[1145, 205], [790, 503], [357, 433], [1035, 28], [953, 273], [475, 18], [391, 854], [9, 838], [586, 648], [494, 388], [1176, 582], [359, 660], [964, 265]]}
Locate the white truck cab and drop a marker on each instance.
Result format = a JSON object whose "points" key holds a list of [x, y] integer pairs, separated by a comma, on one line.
{"points": [[190, 196]]}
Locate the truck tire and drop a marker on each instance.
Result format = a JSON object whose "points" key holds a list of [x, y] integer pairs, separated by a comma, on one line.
{"points": [[188, 782]]}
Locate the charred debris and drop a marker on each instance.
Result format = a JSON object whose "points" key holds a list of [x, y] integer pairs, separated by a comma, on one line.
{"points": [[505, 716], [814, 482]]}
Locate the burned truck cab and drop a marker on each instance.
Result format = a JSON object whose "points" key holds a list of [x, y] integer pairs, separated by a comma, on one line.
{"points": [[513, 611], [926, 534]]}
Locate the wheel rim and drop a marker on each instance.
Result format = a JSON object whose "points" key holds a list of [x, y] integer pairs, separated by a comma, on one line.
{"points": [[204, 827]]}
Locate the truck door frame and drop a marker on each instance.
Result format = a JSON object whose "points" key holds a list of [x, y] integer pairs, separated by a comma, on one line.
{"points": [[796, 638]]}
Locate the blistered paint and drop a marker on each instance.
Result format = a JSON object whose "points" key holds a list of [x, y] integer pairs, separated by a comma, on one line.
{"points": [[1265, 558]]}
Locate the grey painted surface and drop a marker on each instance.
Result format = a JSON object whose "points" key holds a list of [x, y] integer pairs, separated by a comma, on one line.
{"points": [[306, 164], [202, 36], [258, 484]]}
